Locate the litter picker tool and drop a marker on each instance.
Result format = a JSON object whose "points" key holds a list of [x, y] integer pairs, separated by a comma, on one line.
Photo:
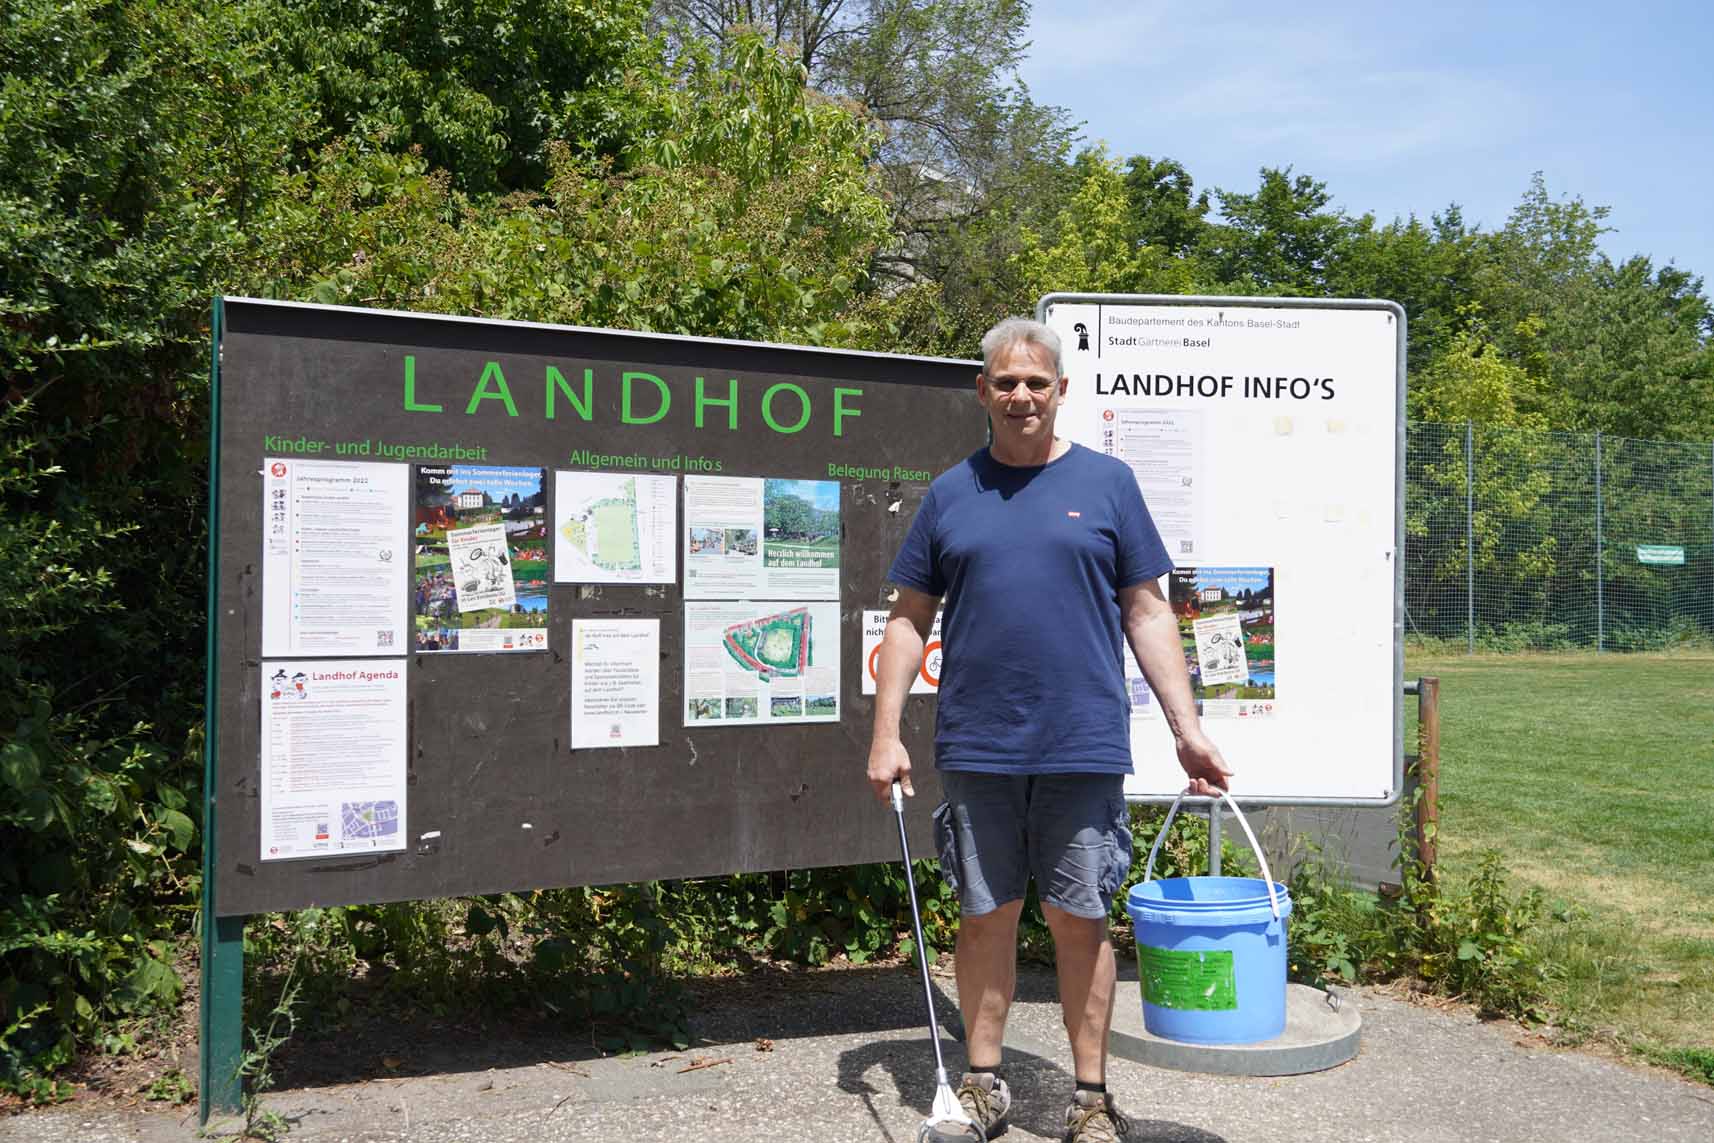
{"points": [[946, 1119]]}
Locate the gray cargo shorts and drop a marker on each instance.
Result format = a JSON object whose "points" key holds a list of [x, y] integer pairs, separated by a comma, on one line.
{"points": [[1070, 831]]}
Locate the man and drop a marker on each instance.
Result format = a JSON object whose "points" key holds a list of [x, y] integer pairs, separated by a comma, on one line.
{"points": [[1048, 563]]}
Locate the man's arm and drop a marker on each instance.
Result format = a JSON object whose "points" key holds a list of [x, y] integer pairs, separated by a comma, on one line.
{"points": [[1152, 631], [908, 625]]}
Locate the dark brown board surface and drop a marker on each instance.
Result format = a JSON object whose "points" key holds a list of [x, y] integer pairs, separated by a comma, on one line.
{"points": [[489, 766]]}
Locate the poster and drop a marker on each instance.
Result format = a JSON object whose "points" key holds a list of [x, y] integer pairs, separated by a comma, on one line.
{"points": [[333, 757], [748, 664], [480, 558], [333, 557], [615, 683], [760, 538], [1164, 449], [927, 681], [481, 568], [614, 527], [1226, 626]]}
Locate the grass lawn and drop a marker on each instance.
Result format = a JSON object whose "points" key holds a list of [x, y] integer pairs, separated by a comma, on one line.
{"points": [[1594, 775]]}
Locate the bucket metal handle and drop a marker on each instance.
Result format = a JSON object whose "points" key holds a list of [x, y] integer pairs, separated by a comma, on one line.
{"points": [[1267, 877]]}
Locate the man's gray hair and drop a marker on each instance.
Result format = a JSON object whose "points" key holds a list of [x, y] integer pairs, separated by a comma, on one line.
{"points": [[1014, 330]]}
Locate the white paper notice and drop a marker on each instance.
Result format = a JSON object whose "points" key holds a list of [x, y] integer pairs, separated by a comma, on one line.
{"points": [[1220, 650], [613, 527], [615, 683], [480, 567], [749, 538], [749, 663], [333, 757], [927, 680], [334, 561], [1164, 448]]}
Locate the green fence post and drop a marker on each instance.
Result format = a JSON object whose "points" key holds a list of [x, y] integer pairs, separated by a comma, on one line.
{"points": [[221, 1017]]}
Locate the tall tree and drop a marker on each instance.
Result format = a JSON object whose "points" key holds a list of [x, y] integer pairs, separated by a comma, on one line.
{"points": [[938, 76], [1166, 210], [1281, 239], [481, 86]]}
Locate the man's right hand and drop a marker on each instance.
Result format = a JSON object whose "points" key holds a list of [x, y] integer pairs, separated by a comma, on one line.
{"points": [[889, 762]]}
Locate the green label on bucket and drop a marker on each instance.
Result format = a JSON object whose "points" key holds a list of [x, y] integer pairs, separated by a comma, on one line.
{"points": [[1198, 981]]}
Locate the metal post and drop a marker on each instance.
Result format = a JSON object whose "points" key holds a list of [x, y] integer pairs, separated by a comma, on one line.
{"points": [[221, 1015], [1428, 777], [1470, 534], [1214, 838], [1600, 569]]}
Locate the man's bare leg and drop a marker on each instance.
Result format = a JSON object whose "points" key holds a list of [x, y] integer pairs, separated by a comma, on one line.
{"points": [[987, 963], [1083, 958]]}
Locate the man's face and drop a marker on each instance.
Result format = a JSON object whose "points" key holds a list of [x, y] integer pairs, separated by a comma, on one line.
{"points": [[1021, 394]]}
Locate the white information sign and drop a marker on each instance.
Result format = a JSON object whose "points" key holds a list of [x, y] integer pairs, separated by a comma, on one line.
{"points": [[759, 663], [1264, 438], [927, 681], [615, 683], [614, 527], [333, 757], [334, 560], [755, 538]]}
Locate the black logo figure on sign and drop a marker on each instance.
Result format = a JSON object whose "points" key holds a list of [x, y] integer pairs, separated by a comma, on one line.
{"points": [[1082, 335]]}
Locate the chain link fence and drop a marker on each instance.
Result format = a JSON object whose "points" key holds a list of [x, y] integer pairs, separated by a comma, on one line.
{"points": [[1520, 540]]}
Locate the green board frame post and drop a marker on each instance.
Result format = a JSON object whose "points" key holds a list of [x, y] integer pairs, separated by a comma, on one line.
{"points": [[220, 1040]]}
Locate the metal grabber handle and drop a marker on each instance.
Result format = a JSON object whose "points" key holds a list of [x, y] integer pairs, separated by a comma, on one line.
{"points": [[916, 924]]}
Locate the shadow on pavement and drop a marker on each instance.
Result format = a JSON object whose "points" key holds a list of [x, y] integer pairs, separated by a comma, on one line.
{"points": [[1040, 1089]]}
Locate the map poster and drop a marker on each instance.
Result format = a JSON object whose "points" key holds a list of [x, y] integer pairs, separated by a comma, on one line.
{"points": [[333, 757], [333, 557], [760, 663], [614, 527], [755, 538], [927, 680], [615, 683], [480, 558]]}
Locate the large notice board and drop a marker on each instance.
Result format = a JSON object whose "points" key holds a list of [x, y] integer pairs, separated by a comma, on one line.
{"points": [[450, 751]]}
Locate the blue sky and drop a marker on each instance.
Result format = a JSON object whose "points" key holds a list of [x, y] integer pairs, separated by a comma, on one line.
{"points": [[1406, 108], [820, 493]]}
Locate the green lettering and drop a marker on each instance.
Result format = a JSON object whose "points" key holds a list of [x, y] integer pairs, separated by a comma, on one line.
{"points": [[768, 407], [556, 380], [501, 392], [411, 405], [666, 399], [840, 412], [731, 402]]}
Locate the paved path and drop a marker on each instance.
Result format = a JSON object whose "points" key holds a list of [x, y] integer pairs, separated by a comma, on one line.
{"points": [[849, 1063]]}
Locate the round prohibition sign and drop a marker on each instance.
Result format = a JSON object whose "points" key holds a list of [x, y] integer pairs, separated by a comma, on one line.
{"points": [[874, 657], [930, 670]]}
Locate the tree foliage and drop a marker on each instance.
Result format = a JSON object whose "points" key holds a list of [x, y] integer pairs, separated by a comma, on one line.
{"points": [[857, 172]]}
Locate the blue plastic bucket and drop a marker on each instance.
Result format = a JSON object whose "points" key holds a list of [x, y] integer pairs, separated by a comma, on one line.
{"points": [[1211, 953]]}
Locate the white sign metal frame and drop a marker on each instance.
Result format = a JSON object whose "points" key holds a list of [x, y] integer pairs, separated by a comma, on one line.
{"points": [[1176, 337]]}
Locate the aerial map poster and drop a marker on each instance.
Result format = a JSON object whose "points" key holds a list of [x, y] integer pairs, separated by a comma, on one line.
{"points": [[614, 527], [481, 560], [333, 757], [760, 663], [754, 538], [1226, 626]]}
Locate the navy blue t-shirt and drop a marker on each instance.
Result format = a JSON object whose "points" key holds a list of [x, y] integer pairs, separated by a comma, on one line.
{"points": [[1030, 562]]}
